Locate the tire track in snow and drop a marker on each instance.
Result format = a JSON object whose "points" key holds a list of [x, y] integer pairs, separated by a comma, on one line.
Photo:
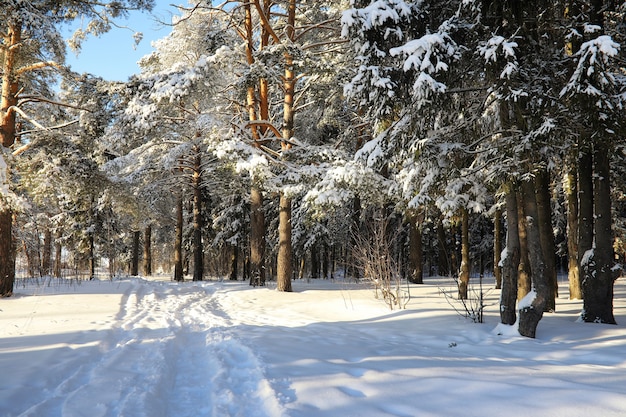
{"points": [[169, 354]]}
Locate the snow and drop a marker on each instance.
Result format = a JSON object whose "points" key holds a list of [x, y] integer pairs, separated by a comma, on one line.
{"points": [[151, 347]]}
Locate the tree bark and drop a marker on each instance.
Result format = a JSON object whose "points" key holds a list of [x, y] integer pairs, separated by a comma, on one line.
{"points": [[416, 261], [598, 287], [46, 258], [497, 248], [134, 269], [510, 263], [10, 86], [234, 260], [464, 270], [531, 314], [198, 249], [178, 242], [585, 214], [58, 260], [257, 237], [147, 251], [523, 279], [443, 256], [571, 199], [544, 213], [284, 266]]}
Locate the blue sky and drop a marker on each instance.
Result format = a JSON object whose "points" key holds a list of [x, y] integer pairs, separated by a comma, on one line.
{"points": [[113, 56]]}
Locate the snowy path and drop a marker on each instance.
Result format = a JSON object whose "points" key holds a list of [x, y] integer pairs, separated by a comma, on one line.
{"points": [[169, 353]]}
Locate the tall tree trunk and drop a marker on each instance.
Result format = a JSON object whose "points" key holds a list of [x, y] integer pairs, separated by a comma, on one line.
{"points": [[497, 248], [178, 241], [315, 262], [571, 199], [531, 313], [544, 213], [585, 215], [234, 260], [46, 259], [598, 288], [198, 249], [92, 256], [416, 261], [510, 263], [524, 283], [464, 270], [257, 237], [284, 266], [12, 40], [134, 269], [147, 251], [58, 259]]}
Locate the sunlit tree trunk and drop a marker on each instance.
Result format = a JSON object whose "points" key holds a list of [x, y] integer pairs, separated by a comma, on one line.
{"points": [[11, 43], [524, 284], [464, 270], [571, 199]]}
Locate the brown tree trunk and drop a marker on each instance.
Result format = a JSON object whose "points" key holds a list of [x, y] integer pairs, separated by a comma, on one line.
{"points": [[585, 215], [497, 248], [58, 260], [178, 242], [147, 251], [10, 86], [416, 261], [544, 213], [598, 290], [464, 270], [198, 249], [523, 278], [284, 266], [234, 260], [46, 258], [510, 263], [571, 199], [315, 262], [134, 269], [531, 313], [257, 237]]}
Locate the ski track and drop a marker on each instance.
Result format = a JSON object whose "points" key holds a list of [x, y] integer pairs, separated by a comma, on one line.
{"points": [[170, 353]]}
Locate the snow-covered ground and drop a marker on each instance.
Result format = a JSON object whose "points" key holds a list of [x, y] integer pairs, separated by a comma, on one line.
{"points": [[154, 348]]}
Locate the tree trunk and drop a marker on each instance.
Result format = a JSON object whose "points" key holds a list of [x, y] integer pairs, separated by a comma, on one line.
{"points": [[510, 263], [58, 260], [571, 199], [46, 259], [585, 215], [12, 39], [544, 213], [92, 256], [234, 260], [416, 261], [178, 242], [147, 251], [198, 249], [497, 248], [284, 266], [523, 279], [315, 262], [531, 313], [134, 269], [464, 270], [257, 237], [443, 257], [598, 288]]}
